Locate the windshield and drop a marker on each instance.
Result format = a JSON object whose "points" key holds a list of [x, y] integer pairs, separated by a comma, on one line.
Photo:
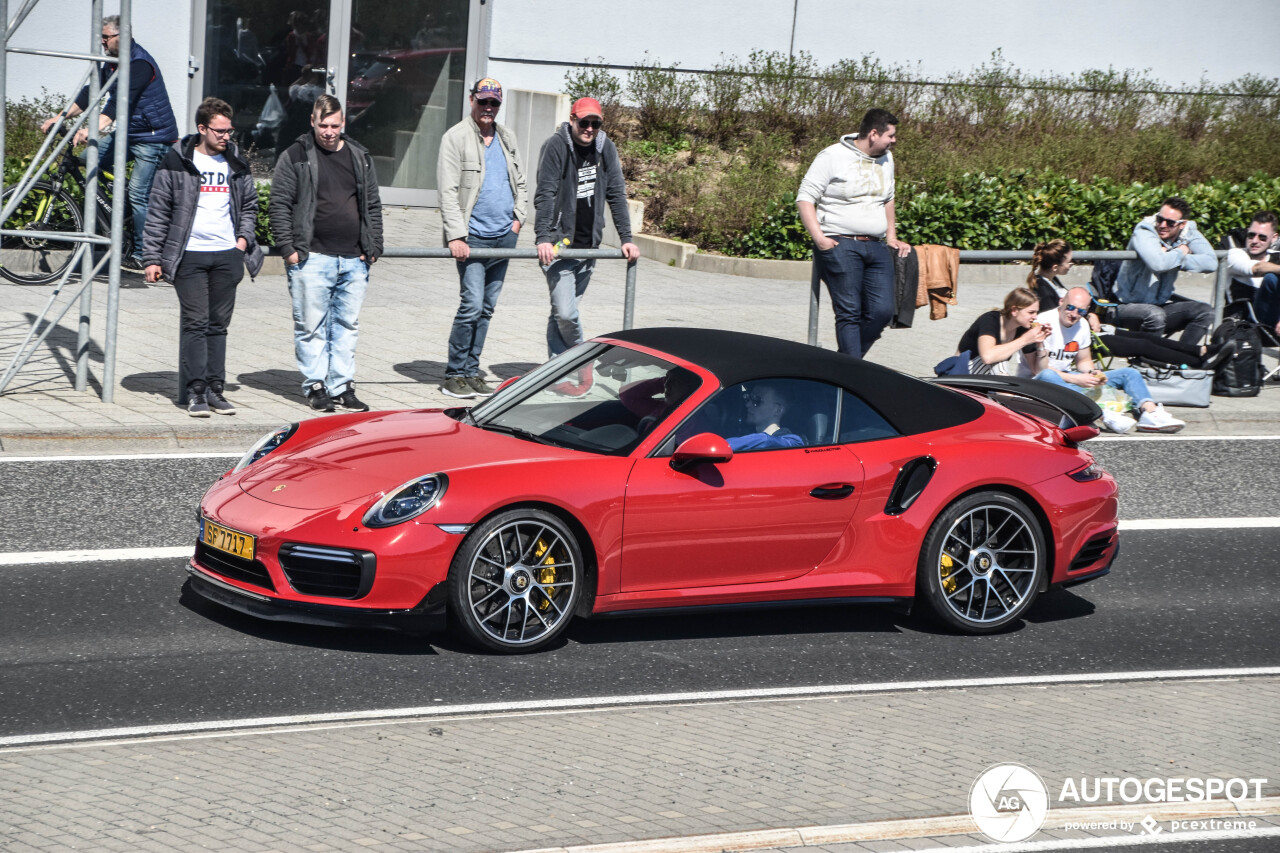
{"points": [[595, 397]]}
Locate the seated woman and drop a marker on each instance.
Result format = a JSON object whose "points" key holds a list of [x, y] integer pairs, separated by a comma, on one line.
{"points": [[1007, 341], [1053, 259]]}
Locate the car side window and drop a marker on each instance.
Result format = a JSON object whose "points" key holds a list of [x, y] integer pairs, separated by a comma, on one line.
{"points": [[860, 422], [765, 414]]}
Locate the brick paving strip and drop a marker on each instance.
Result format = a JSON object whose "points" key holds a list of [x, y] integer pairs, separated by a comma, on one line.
{"points": [[558, 779]]}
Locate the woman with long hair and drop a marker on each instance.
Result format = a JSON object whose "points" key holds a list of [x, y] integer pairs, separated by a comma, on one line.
{"points": [[1007, 340]]}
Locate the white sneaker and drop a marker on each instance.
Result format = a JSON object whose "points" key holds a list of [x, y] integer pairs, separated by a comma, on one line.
{"points": [[1158, 420], [1116, 422]]}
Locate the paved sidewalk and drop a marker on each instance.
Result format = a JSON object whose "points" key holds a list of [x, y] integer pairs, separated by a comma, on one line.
{"points": [[553, 779], [404, 332]]}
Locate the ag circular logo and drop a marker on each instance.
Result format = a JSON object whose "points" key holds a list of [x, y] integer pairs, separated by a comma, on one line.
{"points": [[1008, 802]]}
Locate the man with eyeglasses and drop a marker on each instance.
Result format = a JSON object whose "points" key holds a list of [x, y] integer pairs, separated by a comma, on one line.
{"points": [[765, 407], [152, 126], [1255, 273], [1166, 243], [481, 179], [1071, 366], [200, 237], [578, 174]]}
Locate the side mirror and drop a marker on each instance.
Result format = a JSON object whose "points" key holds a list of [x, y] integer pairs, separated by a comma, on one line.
{"points": [[507, 382], [703, 447]]}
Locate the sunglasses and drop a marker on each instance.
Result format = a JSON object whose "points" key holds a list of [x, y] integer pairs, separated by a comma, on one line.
{"points": [[1162, 220], [589, 123], [1256, 235], [220, 131], [1075, 309], [488, 102], [106, 39]]}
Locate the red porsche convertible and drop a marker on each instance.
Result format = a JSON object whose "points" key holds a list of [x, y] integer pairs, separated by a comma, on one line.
{"points": [[664, 468]]}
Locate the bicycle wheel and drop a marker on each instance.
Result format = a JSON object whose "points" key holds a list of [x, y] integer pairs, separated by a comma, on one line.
{"points": [[36, 260]]}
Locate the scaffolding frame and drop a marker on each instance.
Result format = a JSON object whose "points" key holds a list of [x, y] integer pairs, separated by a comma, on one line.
{"points": [[40, 164]]}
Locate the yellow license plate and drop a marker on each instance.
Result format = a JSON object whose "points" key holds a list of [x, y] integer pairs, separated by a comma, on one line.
{"points": [[231, 541]]}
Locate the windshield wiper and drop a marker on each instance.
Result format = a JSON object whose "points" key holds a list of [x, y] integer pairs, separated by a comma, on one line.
{"points": [[517, 432]]}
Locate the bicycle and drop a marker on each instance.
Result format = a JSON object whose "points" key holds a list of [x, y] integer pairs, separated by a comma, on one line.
{"points": [[51, 207]]}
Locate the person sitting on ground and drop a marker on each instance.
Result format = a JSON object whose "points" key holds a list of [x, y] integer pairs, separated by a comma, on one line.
{"points": [[1255, 276], [1071, 365], [1007, 341], [1053, 259], [765, 409], [1166, 243]]}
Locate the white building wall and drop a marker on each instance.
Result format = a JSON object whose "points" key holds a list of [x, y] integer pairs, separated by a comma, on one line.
{"points": [[163, 27], [1179, 41]]}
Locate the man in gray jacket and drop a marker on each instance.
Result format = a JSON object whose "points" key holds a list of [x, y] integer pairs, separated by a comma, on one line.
{"points": [[199, 235], [578, 173], [326, 215], [482, 195], [1166, 243]]}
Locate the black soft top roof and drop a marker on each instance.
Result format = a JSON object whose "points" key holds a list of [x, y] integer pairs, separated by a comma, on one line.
{"points": [[910, 405]]}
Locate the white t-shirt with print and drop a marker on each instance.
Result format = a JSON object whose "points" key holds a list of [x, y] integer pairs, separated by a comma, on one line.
{"points": [[212, 230], [1240, 265], [1064, 345]]}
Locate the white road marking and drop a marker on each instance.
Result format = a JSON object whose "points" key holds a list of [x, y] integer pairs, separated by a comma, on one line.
{"points": [[1162, 437], [20, 558], [1114, 841], [31, 558], [1197, 523], [110, 457], [589, 703]]}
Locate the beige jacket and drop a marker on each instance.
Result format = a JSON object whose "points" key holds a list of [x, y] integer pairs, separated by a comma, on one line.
{"points": [[460, 174]]}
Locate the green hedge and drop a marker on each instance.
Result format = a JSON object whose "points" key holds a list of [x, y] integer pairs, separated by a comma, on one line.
{"points": [[1016, 209]]}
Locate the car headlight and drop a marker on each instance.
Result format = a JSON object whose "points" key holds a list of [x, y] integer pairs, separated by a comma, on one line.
{"points": [[408, 501], [265, 445]]}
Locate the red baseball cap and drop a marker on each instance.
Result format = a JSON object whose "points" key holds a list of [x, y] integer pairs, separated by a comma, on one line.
{"points": [[586, 107]]}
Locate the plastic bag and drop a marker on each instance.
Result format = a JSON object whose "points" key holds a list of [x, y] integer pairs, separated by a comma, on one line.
{"points": [[272, 111], [1110, 399]]}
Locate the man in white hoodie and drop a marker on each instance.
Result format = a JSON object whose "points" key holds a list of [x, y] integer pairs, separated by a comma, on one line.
{"points": [[846, 205]]}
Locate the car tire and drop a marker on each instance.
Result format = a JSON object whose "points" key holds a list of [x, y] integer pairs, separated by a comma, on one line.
{"points": [[515, 581], [982, 562]]}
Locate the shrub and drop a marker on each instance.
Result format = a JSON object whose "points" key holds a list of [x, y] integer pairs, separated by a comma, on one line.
{"points": [[665, 101]]}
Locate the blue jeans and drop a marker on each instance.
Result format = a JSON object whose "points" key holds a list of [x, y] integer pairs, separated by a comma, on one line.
{"points": [[1266, 302], [567, 280], [327, 293], [1126, 379], [480, 286], [146, 157], [859, 277]]}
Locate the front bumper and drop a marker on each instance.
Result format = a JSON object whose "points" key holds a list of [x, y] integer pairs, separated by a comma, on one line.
{"points": [[428, 615]]}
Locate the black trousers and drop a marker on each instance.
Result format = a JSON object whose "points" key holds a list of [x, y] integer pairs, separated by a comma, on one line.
{"points": [[206, 285]]}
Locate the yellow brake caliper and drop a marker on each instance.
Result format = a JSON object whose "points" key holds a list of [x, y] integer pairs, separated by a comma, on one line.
{"points": [[546, 573], [948, 566]]}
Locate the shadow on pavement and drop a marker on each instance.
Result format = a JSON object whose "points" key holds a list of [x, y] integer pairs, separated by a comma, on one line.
{"points": [[1059, 605], [425, 372], [284, 383], [511, 368], [361, 640]]}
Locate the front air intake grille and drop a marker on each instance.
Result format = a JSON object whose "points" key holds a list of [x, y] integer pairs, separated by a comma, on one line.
{"points": [[231, 566], [328, 572], [1092, 552]]}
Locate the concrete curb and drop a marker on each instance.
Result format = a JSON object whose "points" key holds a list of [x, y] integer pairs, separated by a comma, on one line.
{"points": [[914, 828], [139, 439]]}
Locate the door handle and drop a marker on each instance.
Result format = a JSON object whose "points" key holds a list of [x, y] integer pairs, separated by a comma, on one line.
{"points": [[832, 491]]}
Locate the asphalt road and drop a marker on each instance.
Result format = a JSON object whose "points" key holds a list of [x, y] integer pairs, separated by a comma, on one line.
{"points": [[97, 645]]}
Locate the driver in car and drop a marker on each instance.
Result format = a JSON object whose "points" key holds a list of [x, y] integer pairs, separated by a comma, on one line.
{"points": [[765, 409]]}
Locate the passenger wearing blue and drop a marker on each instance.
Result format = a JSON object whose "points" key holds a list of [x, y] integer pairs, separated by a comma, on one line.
{"points": [[1071, 365], [765, 408], [152, 126]]}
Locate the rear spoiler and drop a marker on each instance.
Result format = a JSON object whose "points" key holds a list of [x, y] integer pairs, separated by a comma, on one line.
{"points": [[1062, 407]]}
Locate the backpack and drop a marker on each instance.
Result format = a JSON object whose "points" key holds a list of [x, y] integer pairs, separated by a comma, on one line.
{"points": [[1240, 375]]}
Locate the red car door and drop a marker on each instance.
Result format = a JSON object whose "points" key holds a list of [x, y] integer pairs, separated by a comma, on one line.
{"points": [[762, 516]]}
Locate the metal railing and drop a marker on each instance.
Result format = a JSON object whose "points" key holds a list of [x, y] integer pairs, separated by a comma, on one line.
{"points": [[83, 254], [629, 299], [1219, 285]]}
